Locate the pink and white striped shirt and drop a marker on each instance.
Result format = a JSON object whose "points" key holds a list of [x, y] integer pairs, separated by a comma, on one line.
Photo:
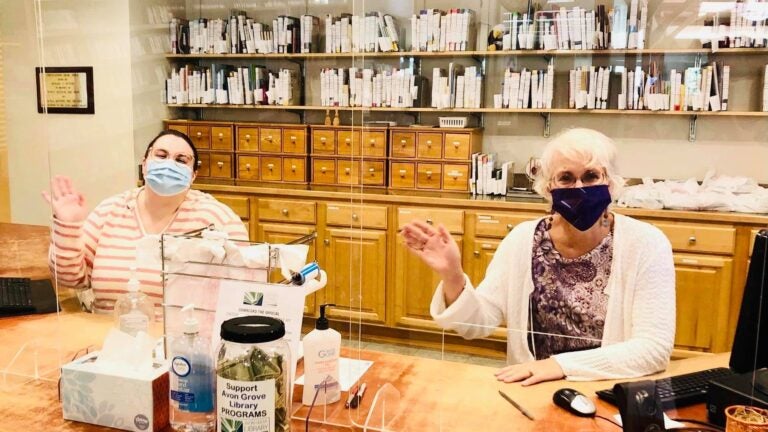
{"points": [[99, 252]]}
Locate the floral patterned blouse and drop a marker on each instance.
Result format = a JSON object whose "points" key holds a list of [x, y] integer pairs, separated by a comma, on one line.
{"points": [[568, 298]]}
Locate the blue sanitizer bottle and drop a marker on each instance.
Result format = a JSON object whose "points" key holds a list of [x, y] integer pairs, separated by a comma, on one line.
{"points": [[191, 378]]}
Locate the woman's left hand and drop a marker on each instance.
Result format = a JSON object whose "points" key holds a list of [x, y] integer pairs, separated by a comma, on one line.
{"points": [[532, 372]]}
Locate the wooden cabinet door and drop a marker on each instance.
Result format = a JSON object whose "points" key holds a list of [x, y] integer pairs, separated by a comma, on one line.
{"points": [[703, 295], [355, 261], [482, 252], [415, 284], [277, 233]]}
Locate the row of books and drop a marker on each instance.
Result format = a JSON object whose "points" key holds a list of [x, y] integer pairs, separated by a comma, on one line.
{"points": [[577, 28], [526, 89], [457, 87], [588, 87], [435, 30], [704, 88], [743, 25], [235, 85], [356, 87], [486, 179], [374, 32]]}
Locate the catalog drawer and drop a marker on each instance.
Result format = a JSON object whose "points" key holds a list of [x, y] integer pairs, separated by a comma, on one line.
{"points": [[428, 175], [373, 173], [457, 146], [221, 138], [498, 224], [402, 175], [248, 167], [348, 172], [348, 142], [247, 139], [203, 164], [200, 136], [270, 139], [180, 127], [294, 141], [453, 220], [349, 215], [324, 171], [699, 238], [271, 168], [240, 205], [374, 143], [287, 210], [456, 177], [403, 145], [323, 141], [430, 145], [221, 165], [295, 169]]}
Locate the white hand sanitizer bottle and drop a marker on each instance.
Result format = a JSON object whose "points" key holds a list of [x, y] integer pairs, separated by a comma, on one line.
{"points": [[133, 310], [322, 347], [191, 378]]}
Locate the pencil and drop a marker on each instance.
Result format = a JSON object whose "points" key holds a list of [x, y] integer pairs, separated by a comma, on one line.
{"points": [[516, 405]]}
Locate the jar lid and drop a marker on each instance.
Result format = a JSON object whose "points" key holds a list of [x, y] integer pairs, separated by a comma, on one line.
{"points": [[252, 329]]}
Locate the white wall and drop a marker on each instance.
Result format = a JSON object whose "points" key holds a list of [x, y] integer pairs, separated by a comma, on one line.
{"points": [[95, 150]]}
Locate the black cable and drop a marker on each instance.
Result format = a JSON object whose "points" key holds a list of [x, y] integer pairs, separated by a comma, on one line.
{"points": [[608, 420], [699, 422]]}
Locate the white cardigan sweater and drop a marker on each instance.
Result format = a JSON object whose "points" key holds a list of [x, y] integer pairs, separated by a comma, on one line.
{"points": [[639, 329]]}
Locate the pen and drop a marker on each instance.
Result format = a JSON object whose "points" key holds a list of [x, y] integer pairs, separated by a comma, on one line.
{"points": [[351, 396], [358, 397], [516, 405]]}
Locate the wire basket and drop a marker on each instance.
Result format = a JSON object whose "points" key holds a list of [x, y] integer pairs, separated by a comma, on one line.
{"points": [[453, 122]]}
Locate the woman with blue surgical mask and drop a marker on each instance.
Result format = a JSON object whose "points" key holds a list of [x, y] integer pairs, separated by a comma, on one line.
{"points": [[94, 250], [585, 293]]}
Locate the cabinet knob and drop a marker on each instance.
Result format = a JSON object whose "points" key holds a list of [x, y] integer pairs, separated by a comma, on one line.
{"points": [[322, 170], [371, 170], [429, 143], [221, 135], [456, 144], [347, 170], [476, 253], [429, 174], [199, 163], [248, 167], [247, 137], [322, 139], [293, 138], [284, 212], [293, 167], [509, 227], [220, 164], [430, 222], [327, 242], [199, 134], [373, 142], [402, 173], [354, 216], [692, 240], [348, 140], [402, 143], [270, 166]]}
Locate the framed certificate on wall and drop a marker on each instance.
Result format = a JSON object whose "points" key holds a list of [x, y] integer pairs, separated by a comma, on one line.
{"points": [[65, 90]]}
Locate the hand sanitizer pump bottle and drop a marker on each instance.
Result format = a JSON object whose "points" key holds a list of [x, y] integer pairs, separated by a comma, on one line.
{"points": [[133, 310], [191, 378], [322, 347]]}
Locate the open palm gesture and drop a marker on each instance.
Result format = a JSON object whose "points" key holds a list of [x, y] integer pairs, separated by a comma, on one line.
{"points": [[68, 203], [435, 247]]}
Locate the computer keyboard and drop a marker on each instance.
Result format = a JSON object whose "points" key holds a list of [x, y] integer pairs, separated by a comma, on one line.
{"points": [[15, 296], [679, 390]]}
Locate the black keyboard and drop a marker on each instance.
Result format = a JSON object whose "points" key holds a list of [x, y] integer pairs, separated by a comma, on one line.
{"points": [[679, 390], [15, 296]]}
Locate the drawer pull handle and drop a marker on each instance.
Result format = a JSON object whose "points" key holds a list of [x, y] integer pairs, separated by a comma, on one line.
{"points": [[348, 140], [429, 174], [347, 170], [199, 163], [692, 240], [476, 253], [429, 143], [371, 170], [284, 212], [322, 169], [322, 139], [430, 222], [373, 142], [402, 142], [354, 216], [402, 173], [248, 167], [220, 164], [293, 168], [293, 138], [456, 144], [248, 137], [270, 166], [327, 242], [221, 135], [509, 227], [199, 134]]}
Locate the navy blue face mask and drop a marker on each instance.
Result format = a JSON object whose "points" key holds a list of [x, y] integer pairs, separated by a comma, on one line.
{"points": [[581, 207]]}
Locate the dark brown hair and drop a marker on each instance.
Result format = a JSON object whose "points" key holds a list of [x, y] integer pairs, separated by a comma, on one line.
{"points": [[176, 134]]}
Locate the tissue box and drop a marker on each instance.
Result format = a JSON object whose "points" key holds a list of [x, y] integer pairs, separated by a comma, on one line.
{"points": [[132, 401]]}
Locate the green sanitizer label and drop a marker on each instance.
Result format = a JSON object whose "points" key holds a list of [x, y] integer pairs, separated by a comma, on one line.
{"points": [[245, 406]]}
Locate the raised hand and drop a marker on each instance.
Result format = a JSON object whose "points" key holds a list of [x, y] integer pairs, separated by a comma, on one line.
{"points": [[439, 251], [67, 203]]}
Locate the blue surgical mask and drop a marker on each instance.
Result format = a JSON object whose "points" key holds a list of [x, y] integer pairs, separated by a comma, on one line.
{"points": [[583, 206], [168, 177]]}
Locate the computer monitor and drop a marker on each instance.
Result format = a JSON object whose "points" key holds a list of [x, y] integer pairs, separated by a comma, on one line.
{"points": [[750, 344]]}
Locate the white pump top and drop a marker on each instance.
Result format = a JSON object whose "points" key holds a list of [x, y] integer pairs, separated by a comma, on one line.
{"points": [[133, 282], [191, 324]]}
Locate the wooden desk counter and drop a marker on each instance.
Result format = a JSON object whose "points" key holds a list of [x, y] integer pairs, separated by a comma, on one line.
{"points": [[434, 394]]}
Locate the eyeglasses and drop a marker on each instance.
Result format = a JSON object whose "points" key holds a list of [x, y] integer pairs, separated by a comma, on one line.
{"points": [[182, 158], [567, 179]]}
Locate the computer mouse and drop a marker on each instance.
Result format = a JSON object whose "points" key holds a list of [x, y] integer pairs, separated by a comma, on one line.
{"points": [[574, 402]]}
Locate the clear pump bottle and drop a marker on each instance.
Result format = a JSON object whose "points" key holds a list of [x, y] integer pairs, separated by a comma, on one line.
{"points": [[322, 347], [191, 378], [133, 310]]}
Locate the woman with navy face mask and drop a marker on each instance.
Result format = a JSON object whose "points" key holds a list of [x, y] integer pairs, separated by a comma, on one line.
{"points": [[95, 251], [585, 293]]}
